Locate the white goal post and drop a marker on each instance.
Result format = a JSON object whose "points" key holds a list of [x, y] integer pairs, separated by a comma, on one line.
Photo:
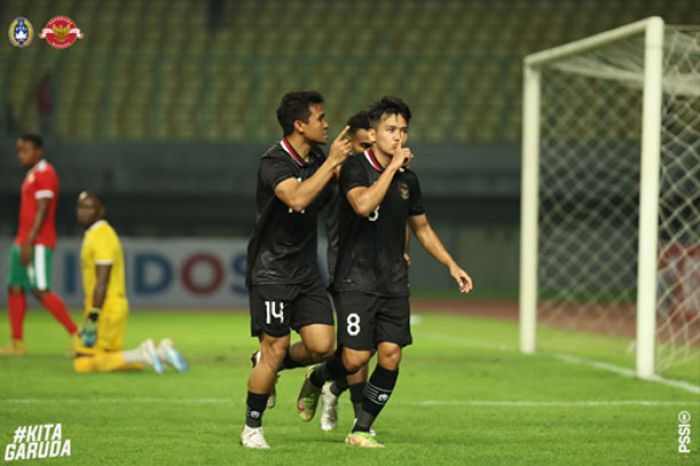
{"points": [[629, 57]]}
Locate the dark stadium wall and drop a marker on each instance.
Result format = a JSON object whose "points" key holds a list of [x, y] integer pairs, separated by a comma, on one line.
{"points": [[207, 190]]}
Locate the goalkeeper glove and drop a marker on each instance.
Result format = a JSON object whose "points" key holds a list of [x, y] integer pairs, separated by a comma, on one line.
{"points": [[88, 332]]}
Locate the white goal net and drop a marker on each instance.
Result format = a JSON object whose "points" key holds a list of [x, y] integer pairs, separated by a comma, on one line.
{"points": [[588, 195]]}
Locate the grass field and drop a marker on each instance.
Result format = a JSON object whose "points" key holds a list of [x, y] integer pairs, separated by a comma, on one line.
{"points": [[465, 396]]}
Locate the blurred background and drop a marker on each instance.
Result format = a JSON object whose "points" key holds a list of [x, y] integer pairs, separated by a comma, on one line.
{"points": [[165, 107]]}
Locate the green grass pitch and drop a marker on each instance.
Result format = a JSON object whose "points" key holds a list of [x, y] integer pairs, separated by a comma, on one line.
{"points": [[464, 396]]}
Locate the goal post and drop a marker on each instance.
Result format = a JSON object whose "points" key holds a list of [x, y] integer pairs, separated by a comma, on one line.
{"points": [[606, 118]]}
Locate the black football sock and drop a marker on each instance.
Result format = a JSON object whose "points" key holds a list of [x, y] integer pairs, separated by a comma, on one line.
{"points": [[339, 386], [288, 362], [375, 395], [332, 369], [356, 397], [255, 407]]}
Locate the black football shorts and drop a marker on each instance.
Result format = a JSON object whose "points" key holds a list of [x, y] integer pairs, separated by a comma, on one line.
{"points": [[275, 309], [366, 320]]}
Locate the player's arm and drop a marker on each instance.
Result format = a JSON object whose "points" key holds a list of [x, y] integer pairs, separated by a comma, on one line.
{"points": [[406, 256], [102, 274], [298, 196], [364, 199], [431, 242], [103, 270], [42, 211]]}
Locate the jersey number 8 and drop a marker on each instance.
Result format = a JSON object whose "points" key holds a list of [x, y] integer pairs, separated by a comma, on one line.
{"points": [[353, 322]]}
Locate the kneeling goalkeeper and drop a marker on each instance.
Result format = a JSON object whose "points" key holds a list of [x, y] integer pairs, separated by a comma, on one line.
{"points": [[101, 335]]}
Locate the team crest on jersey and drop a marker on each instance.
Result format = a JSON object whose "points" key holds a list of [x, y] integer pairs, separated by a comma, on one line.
{"points": [[21, 32], [61, 32], [405, 192]]}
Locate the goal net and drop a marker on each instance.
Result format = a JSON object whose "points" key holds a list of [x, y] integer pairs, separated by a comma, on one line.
{"points": [[589, 201]]}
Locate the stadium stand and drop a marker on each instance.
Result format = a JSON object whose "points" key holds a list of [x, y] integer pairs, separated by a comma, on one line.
{"points": [[187, 70]]}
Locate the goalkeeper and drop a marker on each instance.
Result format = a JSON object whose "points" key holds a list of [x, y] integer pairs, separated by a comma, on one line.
{"points": [[101, 335]]}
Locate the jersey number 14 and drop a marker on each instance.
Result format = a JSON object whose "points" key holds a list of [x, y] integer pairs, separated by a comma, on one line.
{"points": [[272, 312]]}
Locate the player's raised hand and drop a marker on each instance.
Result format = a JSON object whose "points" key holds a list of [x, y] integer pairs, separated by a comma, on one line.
{"points": [[464, 281], [402, 157], [341, 147]]}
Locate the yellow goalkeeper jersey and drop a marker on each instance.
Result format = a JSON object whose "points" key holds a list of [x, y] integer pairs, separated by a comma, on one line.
{"points": [[101, 246]]}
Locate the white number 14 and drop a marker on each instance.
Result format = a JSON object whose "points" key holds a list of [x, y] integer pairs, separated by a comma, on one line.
{"points": [[273, 313]]}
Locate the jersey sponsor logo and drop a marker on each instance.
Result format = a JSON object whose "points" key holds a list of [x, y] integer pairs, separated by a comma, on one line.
{"points": [[374, 216], [21, 32], [61, 32], [405, 192]]}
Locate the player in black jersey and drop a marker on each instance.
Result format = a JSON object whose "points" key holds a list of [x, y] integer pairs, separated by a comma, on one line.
{"points": [[359, 132], [286, 290], [361, 140], [381, 195]]}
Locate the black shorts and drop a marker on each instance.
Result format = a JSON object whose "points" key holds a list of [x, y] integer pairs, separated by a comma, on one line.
{"points": [[274, 309], [365, 320]]}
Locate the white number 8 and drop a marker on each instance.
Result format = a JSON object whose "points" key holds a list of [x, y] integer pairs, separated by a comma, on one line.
{"points": [[353, 324]]}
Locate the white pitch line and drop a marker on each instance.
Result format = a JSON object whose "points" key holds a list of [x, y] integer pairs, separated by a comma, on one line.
{"points": [[624, 371], [627, 372], [423, 403]]}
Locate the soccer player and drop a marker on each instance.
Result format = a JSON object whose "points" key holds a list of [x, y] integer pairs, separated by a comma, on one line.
{"points": [[360, 138], [286, 289], [106, 307], [358, 131], [381, 195], [32, 251]]}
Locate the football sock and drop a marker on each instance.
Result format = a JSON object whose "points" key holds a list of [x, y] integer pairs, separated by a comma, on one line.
{"points": [[134, 355], [339, 386], [16, 309], [255, 407], [332, 369], [288, 362], [356, 397], [55, 305], [375, 395]]}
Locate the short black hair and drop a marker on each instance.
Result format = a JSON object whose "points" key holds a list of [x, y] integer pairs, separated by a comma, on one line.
{"points": [[388, 105], [360, 120], [92, 195], [295, 106], [34, 139]]}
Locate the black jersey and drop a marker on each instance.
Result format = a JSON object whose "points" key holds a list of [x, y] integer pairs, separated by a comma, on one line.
{"points": [[370, 253], [282, 247], [332, 226]]}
